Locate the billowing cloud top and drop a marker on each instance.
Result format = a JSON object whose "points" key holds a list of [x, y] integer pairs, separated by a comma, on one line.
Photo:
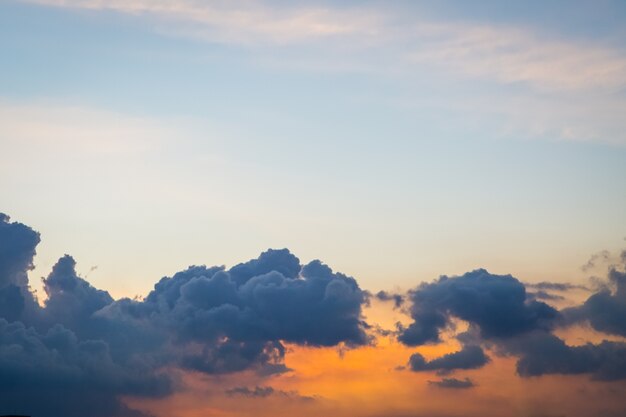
{"points": [[208, 320], [498, 305], [81, 351]]}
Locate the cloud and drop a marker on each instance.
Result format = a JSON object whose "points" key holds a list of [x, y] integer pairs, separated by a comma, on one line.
{"points": [[53, 373], [601, 257], [241, 22], [453, 383], [606, 309], [264, 392], [555, 286], [544, 295], [506, 55], [205, 319], [503, 316], [398, 299], [470, 357], [17, 249], [542, 353], [213, 320], [497, 304], [72, 301], [549, 99], [312, 305]]}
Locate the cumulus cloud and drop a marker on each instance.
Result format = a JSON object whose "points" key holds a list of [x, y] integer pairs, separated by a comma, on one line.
{"points": [[509, 320], [54, 373], [606, 309], [206, 319], [17, 250], [81, 351], [470, 357], [71, 300], [497, 304], [543, 353], [492, 300]]}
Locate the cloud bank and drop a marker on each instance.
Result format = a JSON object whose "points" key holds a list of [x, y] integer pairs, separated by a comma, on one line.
{"points": [[503, 316], [80, 352], [209, 320]]}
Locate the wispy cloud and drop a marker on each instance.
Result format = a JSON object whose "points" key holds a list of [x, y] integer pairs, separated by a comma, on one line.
{"points": [[501, 54], [58, 127]]}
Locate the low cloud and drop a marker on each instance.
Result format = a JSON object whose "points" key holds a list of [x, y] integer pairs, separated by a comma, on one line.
{"points": [[556, 286], [510, 321], [205, 319], [470, 357], [544, 295], [397, 299], [543, 353], [605, 310], [497, 305], [453, 383], [213, 320], [264, 392]]}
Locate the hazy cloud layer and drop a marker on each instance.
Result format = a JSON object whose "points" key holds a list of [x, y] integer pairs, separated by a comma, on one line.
{"points": [[557, 83]]}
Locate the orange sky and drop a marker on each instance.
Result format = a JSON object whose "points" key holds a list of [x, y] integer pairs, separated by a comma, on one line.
{"points": [[368, 382]]}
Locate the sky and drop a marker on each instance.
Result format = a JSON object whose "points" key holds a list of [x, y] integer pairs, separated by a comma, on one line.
{"points": [[334, 160]]}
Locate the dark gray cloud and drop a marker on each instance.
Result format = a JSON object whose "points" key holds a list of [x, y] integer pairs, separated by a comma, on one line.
{"points": [[496, 304], [83, 350], [264, 392], [509, 320], [453, 383], [605, 310], [544, 295], [72, 301], [17, 249], [241, 323], [397, 299], [543, 353], [469, 357], [55, 373], [556, 286]]}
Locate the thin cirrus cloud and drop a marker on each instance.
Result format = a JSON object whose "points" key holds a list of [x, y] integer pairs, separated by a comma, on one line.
{"points": [[59, 127], [555, 87], [475, 50]]}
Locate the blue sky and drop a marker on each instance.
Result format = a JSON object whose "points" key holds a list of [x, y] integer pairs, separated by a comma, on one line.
{"points": [[396, 142]]}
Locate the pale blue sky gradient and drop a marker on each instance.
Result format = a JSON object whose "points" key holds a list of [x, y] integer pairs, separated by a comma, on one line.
{"points": [[394, 142]]}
